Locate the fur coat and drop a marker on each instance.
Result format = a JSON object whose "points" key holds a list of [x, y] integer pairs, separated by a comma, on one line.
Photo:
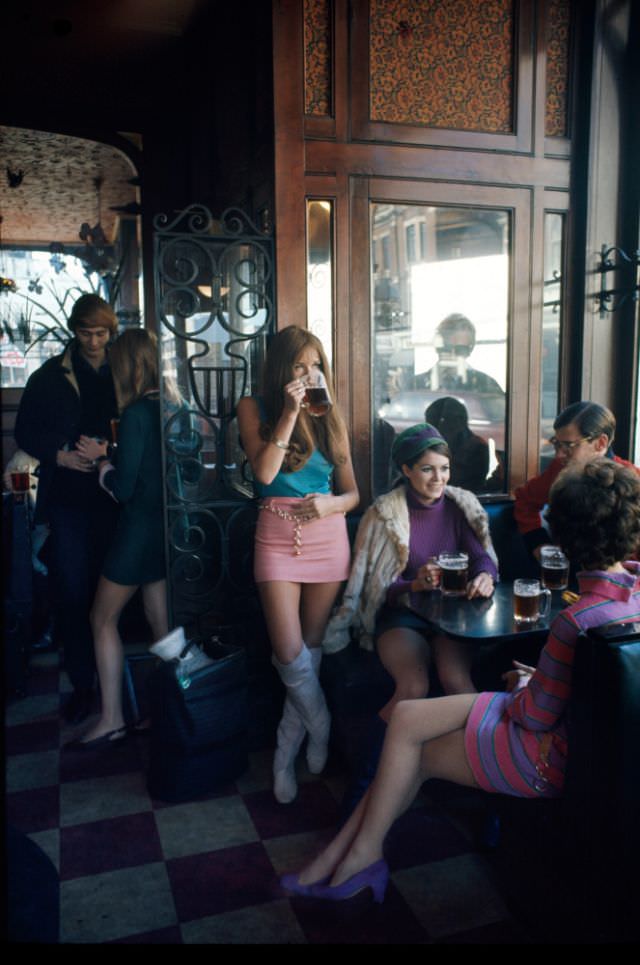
{"points": [[380, 555]]}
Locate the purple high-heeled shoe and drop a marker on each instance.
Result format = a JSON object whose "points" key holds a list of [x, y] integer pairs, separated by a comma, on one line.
{"points": [[376, 877], [291, 883]]}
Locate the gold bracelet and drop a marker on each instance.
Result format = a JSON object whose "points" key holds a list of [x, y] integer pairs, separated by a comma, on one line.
{"points": [[281, 445]]}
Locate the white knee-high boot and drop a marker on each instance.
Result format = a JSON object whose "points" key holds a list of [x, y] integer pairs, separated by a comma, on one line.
{"points": [[316, 751], [306, 696], [291, 732], [289, 738]]}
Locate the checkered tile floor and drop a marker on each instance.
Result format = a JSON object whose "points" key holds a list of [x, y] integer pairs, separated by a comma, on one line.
{"points": [[137, 870]]}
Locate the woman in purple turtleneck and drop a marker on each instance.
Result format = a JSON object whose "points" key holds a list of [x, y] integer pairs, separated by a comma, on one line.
{"points": [[419, 519], [441, 519]]}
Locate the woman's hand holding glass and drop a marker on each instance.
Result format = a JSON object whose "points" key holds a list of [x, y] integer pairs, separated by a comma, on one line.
{"points": [[294, 395], [427, 577]]}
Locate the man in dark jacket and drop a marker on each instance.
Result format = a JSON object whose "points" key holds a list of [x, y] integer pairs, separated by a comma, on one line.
{"points": [[69, 403]]}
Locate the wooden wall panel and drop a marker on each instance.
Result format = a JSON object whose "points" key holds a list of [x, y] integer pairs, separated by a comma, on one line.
{"points": [[499, 114], [557, 68], [318, 86], [367, 144], [447, 64], [289, 163]]}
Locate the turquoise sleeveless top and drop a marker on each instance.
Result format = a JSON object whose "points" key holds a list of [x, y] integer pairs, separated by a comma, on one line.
{"points": [[314, 477]]}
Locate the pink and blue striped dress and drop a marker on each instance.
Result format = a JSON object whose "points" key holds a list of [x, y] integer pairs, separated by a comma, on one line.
{"points": [[504, 730]]}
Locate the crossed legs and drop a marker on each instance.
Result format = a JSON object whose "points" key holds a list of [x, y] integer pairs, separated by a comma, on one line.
{"points": [[425, 739]]}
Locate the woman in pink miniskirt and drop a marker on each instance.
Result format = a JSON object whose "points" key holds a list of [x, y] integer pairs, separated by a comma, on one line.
{"points": [[304, 477]]}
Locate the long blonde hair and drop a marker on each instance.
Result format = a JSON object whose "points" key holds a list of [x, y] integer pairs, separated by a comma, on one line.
{"points": [[326, 433], [133, 358]]}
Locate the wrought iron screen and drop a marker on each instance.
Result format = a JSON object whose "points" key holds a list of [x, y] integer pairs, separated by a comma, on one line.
{"points": [[214, 298]]}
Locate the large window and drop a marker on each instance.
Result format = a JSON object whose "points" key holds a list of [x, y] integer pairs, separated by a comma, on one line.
{"points": [[34, 312], [439, 339], [320, 272]]}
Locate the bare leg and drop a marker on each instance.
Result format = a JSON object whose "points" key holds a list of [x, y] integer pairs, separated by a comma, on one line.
{"points": [[315, 610], [154, 597], [425, 739], [111, 598], [453, 659], [405, 654], [281, 608]]}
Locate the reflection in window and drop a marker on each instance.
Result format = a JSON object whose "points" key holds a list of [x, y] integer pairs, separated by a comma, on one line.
{"points": [[320, 272], [551, 322], [440, 321], [34, 310], [412, 254]]}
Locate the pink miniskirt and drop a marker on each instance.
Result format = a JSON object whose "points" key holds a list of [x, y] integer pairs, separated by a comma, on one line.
{"points": [[319, 554]]}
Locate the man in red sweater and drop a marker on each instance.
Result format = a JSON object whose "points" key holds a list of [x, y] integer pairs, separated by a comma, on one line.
{"points": [[582, 430]]}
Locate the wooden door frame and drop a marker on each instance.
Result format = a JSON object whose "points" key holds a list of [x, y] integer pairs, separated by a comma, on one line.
{"points": [[525, 311]]}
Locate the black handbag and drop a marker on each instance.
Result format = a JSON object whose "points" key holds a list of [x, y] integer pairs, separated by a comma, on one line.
{"points": [[198, 725]]}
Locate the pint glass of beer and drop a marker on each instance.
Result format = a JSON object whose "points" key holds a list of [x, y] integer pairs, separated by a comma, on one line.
{"points": [[316, 397], [554, 568], [454, 573], [530, 601]]}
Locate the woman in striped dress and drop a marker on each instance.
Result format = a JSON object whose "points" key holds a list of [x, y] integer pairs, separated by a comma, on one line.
{"points": [[512, 742]]}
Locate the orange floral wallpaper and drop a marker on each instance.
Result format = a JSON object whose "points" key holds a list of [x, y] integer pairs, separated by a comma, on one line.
{"points": [[442, 63], [317, 57], [558, 24]]}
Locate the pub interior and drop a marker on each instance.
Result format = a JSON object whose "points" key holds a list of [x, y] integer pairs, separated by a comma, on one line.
{"points": [[447, 195]]}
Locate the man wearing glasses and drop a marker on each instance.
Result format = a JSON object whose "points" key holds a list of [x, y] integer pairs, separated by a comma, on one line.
{"points": [[583, 431]]}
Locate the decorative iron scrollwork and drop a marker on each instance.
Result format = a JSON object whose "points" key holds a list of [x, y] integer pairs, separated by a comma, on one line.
{"points": [[604, 298], [214, 282]]}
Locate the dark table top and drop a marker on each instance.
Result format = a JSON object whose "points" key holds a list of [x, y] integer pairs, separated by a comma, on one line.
{"points": [[479, 619]]}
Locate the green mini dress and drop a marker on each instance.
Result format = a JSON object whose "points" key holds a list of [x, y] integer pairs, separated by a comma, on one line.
{"points": [[137, 553]]}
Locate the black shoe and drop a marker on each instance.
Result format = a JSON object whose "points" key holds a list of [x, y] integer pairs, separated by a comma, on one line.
{"points": [[78, 707], [111, 739]]}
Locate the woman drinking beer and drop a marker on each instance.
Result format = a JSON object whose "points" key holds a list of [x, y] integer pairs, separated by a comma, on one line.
{"points": [[297, 446]]}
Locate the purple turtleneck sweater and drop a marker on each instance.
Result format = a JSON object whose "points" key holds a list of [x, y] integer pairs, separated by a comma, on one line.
{"points": [[439, 528]]}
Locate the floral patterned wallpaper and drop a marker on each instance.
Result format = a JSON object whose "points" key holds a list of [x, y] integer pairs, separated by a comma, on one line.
{"points": [[317, 57], [558, 23], [442, 63]]}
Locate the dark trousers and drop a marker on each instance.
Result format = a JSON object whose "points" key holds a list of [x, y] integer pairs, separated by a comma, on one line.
{"points": [[80, 537]]}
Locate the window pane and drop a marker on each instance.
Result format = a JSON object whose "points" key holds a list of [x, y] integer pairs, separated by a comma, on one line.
{"points": [[551, 326], [440, 322], [320, 272], [34, 311]]}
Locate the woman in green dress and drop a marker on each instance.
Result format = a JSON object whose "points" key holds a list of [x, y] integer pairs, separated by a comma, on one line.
{"points": [[136, 556]]}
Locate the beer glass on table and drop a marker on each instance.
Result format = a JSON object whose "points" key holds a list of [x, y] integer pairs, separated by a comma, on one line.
{"points": [[531, 601], [554, 568]]}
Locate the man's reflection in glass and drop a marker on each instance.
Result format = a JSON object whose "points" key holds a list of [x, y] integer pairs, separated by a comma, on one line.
{"points": [[454, 341]]}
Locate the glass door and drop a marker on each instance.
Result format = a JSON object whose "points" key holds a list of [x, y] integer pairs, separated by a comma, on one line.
{"points": [[440, 323]]}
